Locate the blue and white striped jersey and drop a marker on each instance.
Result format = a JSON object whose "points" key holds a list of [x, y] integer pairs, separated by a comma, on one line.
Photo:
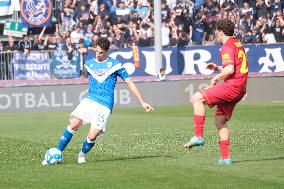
{"points": [[102, 80]]}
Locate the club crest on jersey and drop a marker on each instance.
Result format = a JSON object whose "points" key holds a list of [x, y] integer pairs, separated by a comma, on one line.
{"points": [[100, 72]]}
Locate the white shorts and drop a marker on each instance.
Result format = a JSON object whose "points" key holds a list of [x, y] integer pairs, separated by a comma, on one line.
{"points": [[92, 112]]}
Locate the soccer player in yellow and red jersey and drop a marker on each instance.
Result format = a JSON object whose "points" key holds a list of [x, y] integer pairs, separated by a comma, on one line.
{"points": [[225, 95]]}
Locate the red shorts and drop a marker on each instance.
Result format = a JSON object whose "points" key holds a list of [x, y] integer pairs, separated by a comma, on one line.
{"points": [[224, 96]]}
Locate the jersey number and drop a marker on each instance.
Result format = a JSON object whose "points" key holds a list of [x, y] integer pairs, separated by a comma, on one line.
{"points": [[244, 66]]}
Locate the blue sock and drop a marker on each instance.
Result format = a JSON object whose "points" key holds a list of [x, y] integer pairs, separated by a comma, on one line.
{"points": [[65, 139], [87, 146]]}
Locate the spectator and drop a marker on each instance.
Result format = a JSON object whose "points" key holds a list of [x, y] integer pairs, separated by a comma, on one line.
{"points": [[76, 35], [37, 42], [162, 74], [119, 40], [93, 43], [278, 29], [1, 46], [198, 28], [276, 6], [120, 11], [25, 45], [94, 7], [83, 14], [108, 3], [98, 23], [187, 22], [182, 40], [247, 36], [174, 37], [268, 36], [261, 8], [141, 10], [103, 33], [50, 42], [210, 41], [256, 36], [88, 35], [77, 3], [69, 47], [104, 12], [59, 42], [171, 4], [248, 23], [228, 5], [136, 18], [165, 34], [82, 50], [67, 16], [166, 11], [11, 46], [133, 32], [246, 9]]}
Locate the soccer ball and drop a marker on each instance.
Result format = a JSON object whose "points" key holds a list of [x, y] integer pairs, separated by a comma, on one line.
{"points": [[52, 156]]}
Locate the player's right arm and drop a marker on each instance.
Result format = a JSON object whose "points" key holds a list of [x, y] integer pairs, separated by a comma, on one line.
{"points": [[225, 73], [212, 66]]}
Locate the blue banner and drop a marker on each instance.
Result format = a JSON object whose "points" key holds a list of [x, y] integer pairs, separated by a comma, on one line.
{"points": [[36, 13], [64, 66], [33, 66], [6, 7], [193, 60]]}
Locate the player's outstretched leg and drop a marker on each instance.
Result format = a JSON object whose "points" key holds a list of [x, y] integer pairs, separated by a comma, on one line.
{"points": [[197, 139], [87, 146], [199, 120]]}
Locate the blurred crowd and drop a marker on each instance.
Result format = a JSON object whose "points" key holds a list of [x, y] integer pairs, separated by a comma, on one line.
{"points": [[131, 22]]}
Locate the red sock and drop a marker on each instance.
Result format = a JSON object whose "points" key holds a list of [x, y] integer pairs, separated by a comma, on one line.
{"points": [[225, 149], [198, 125]]}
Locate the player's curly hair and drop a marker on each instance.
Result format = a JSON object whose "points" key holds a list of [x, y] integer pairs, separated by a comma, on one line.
{"points": [[103, 43], [226, 26]]}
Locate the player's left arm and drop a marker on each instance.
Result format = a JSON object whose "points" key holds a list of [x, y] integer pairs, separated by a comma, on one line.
{"points": [[147, 107], [125, 76]]}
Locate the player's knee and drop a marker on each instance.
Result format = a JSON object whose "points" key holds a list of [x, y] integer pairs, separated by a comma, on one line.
{"points": [[220, 123], [197, 97], [92, 135], [92, 138], [75, 123]]}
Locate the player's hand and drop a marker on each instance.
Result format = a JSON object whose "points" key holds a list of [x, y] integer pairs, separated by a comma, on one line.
{"points": [[213, 82], [147, 107], [212, 66]]}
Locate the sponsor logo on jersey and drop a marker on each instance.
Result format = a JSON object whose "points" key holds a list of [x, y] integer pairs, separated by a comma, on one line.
{"points": [[225, 56]]}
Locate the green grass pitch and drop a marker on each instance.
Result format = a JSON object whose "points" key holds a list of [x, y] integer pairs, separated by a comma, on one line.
{"points": [[144, 150]]}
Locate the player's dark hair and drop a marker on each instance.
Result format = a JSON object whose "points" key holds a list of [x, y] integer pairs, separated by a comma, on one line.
{"points": [[226, 26], [103, 43]]}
